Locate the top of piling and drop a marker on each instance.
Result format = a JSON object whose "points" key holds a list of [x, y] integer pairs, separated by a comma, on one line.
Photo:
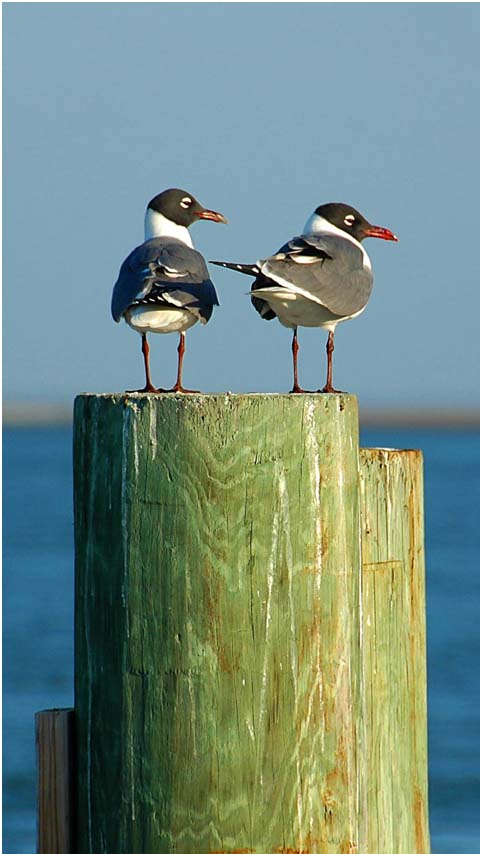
{"points": [[328, 404], [118, 395]]}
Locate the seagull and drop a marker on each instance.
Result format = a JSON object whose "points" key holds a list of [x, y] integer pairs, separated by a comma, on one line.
{"points": [[320, 278], [163, 285]]}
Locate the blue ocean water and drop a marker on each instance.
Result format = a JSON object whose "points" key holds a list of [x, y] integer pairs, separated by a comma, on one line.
{"points": [[38, 618]]}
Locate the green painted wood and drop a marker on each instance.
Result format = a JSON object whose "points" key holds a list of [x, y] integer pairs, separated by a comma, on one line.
{"points": [[393, 626], [218, 655]]}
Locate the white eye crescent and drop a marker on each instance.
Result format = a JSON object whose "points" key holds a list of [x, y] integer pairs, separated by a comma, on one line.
{"points": [[349, 220], [186, 202]]}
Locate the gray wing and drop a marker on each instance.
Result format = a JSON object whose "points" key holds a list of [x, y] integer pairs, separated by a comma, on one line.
{"points": [[164, 271], [325, 268]]}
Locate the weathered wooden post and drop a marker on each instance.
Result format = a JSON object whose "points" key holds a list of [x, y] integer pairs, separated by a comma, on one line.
{"points": [[56, 778], [221, 677], [393, 618]]}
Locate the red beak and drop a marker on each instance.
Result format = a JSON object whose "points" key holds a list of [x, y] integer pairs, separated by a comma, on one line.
{"points": [[378, 231], [212, 215]]}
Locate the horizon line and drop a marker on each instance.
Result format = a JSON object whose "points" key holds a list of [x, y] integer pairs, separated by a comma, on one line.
{"points": [[32, 414]]}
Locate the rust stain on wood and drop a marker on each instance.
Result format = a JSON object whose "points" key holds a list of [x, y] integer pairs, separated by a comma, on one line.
{"points": [[329, 804], [280, 849], [383, 564], [413, 523], [419, 820], [232, 851], [213, 593]]}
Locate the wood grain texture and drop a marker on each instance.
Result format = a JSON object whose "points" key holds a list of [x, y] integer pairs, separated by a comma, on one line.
{"points": [[56, 775], [218, 630], [393, 606]]}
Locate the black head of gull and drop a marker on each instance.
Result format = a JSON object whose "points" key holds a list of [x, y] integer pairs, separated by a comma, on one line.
{"points": [[163, 285], [351, 221], [182, 208], [320, 278]]}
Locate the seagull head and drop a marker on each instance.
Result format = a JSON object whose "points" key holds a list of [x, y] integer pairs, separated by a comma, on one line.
{"points": [[181, 208], [351, 221]]}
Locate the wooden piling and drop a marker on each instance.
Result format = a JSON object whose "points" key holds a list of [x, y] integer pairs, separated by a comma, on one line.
{"points": [[220, 671], [56, 777], [393, 624]]}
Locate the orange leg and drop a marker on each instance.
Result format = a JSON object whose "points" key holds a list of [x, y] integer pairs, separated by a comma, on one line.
{"points": [[149, 387], [178, 385], [295, 348], [328, 387]]}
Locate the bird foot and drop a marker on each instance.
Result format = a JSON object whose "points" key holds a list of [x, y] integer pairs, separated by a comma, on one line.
{"points": [[179, 389], [299, 390], [147, 389], [329, 389]]}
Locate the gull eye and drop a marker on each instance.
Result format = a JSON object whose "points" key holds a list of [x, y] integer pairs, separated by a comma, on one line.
{"points": [[186, 202], [349, 220]]}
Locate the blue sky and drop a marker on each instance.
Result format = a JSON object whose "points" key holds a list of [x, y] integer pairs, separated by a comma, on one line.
{"points": [[263, 111]]}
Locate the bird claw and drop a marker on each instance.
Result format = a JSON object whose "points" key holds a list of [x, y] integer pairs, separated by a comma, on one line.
{"points": [[299, 390], [179, 389], [329, 389], [147, 389]]}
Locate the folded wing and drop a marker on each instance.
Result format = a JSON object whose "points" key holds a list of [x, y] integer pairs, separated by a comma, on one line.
{"points": [[164, 272], [326, 269]]}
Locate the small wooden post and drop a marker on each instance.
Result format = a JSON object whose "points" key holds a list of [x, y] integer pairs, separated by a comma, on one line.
{"points": [[393, 624], [221, 673], [56, 773]]}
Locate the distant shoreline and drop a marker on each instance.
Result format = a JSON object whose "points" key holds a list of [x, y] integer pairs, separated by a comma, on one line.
{"points": [[61, 414]]}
